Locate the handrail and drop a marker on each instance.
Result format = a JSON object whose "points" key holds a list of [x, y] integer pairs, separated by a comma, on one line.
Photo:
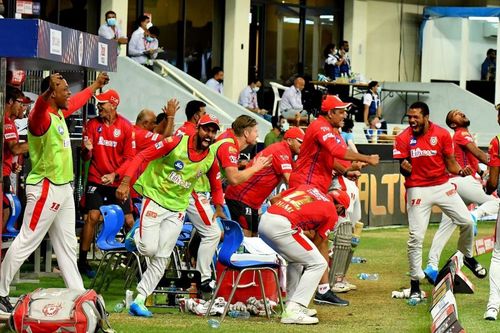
{"points": [[165, 71]]}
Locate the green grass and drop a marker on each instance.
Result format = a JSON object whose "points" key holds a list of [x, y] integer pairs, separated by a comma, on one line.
{"points": [[372, 309]]}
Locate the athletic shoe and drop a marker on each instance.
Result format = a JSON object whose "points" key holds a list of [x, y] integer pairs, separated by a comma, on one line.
{"points": [[129, 239], [329, 298], [295, 315], [431, 274], [5, 306], [491, 314], [350, 285], [207, 286], [309, 312], [86, 269], [474, 221], [340, 287], [475, 267], [139, 310]]}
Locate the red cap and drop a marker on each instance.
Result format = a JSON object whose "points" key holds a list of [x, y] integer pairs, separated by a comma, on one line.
{"points": [[209, 119], [27, 100], [16, 77], [340, 197], [295, 133], [333, 102], [110, 96]]}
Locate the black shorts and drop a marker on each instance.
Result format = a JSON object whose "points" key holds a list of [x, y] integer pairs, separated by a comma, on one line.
{"points": [[246, 216], [98, 195], [6, 189]]}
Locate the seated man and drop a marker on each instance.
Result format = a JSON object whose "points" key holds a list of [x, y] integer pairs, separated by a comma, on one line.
{"points": [[248, 98], [281, 227], [291, 101]]}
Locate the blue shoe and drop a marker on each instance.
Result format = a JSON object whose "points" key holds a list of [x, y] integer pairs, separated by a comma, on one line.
{"points": [[474, 220], [431, 274], [139, 310], [129, 239]]}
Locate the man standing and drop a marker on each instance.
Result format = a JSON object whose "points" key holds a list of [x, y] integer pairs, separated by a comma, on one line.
{"points": [[109, 144], [469, 188], [244, 200], [345, 62], [176, 165], [489, 66], [293, 211], [111, 30], [425, 153], [50, 206], [215, 82]]}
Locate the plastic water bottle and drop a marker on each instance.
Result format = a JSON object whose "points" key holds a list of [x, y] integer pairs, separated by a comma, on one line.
{"points": [[358, 260], [213, 323], [367, 276], [129, 298], [415, 301], [171, 293], [118, 307], [239, 314]]}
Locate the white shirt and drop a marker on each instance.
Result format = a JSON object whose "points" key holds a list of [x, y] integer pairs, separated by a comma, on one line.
{"points": [[107, 32], [215, 85], [291, 99], [368, 99], [248, 98], [138, 45]]}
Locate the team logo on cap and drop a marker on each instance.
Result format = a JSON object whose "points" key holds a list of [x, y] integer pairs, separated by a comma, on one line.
{"points": [[117, 132], [178, 165], [114, 100], [434, 140], [212, 117], [60, 129]]}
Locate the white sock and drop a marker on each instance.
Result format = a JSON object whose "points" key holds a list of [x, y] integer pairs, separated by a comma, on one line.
{"points": [[140, 299], [323, 288]]}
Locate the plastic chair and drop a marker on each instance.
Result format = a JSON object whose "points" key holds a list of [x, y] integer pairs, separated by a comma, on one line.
{"points": [[15, 212], [233, 237], [276, 88]]}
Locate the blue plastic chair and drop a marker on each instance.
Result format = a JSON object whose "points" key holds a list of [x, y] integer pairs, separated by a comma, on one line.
{"points": [[233, 237], [15, 212]]}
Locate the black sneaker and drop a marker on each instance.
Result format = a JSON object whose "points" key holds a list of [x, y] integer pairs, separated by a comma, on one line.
{"points": [[207, 286], [329, 298], [475, 267], [86, 269], [5, 306]]}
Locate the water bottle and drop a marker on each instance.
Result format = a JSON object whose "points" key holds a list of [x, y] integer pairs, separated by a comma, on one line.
{"points": [[129, 298], [193, 290], [213, 323], [118, 307], [367, 276], [415, 301], [239, 314], [171, 293], [358, 260]]}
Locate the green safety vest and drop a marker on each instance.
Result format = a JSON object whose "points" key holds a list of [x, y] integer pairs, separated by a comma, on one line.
{"points": [[50, 153], [203, 184], [169, 180]]}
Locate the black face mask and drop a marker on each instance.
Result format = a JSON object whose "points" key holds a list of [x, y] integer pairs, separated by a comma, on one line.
{"points": [[220, 80]]}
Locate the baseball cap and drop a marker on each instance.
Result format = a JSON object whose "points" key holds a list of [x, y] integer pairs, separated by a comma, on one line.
{"points": [[340, 197], [209, 119], [110, 96], [333, 102], [295, 133]]}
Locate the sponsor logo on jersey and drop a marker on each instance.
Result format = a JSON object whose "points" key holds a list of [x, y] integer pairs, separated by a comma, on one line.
{"points": [[395, 152], [106, 143], [10, 136], [233, 159], [286, 166], [325, 129], [148, 134], [178, 165], [284, 157], [327, 136], [338, 140], [413, 141], [155, 136], [317, 194], [414, 153], [434, 140], [99, 129], [158, 145], [60, 129], [233, 150], [177, 179], [117, 132]]}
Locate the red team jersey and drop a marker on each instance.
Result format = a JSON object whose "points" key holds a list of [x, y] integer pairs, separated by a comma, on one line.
{"points": [[426, 154], [113, 148], [228, 153], [254, 191], [318, 152], [9, 135], [463, 156], [188, 128], [306, 208], [143, 140], [494, 153], [346, 164]]}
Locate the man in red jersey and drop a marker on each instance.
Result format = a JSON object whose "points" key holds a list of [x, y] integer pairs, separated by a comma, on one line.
{"points": [[425, 153], [470, 189], [109, 145], [50, 206], [293, 211], [14, 100], [244, 200]]}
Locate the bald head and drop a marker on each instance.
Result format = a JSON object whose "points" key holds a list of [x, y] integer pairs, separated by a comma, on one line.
{"points": [[146, 119], [299, 83]]}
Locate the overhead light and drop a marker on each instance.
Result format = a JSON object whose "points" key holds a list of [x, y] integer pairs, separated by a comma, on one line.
{"points": [[483, 18], [296, 20], [326, 17]]}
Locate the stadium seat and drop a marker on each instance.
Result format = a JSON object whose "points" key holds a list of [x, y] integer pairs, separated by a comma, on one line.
{"points": [[276, 88], [15, 212], [233, 237]]}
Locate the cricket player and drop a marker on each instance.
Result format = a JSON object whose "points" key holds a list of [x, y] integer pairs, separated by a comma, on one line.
{"points": [[425, 153]]}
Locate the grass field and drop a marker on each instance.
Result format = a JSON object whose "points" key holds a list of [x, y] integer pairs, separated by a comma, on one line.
{"points": [[372, 309]]}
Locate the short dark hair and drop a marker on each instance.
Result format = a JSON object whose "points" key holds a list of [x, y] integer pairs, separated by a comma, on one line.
{"points": [[253, 80], [348, 125], [422, 106], [490, 51], [12, 94], [141, 19], [45, 84], [160, 117], [109, 12], [372, 84], [448, 117], [242, 122], [327, 49], [154, 30], [193, 107], [275, 122], [216, 70], [342, 42]]}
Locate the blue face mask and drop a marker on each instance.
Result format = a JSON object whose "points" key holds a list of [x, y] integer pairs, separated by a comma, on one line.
{"points": [[111, 21], [149, 39]]}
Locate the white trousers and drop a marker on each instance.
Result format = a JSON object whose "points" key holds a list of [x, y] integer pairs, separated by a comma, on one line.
{"points": [[354, 210], [306, 265], [470, 190], [419, 205], [494, 299], [200, 213], [49, 208], [155, 238]]}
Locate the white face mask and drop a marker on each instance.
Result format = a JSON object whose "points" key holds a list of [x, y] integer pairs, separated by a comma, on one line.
{"points": [[255, 89], [379, 90], [149, 25], [285, 126], [378, 125]]}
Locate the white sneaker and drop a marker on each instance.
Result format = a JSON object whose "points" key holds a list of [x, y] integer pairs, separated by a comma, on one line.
{"points": [[309, 312], [340, 287], [491, 314], [350, 285], [295, 315]]}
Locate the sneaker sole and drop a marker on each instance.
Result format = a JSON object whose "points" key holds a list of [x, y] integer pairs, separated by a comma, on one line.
{"points": [[296, 322], [328, 303], [138, 315]]}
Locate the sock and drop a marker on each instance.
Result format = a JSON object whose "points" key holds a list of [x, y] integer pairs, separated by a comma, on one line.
{"points": [[323, 288], [82, 259], [140, 299], [415, 286]]}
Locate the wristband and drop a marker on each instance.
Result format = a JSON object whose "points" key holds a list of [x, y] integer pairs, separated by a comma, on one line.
{"points": [[170, 117]]}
